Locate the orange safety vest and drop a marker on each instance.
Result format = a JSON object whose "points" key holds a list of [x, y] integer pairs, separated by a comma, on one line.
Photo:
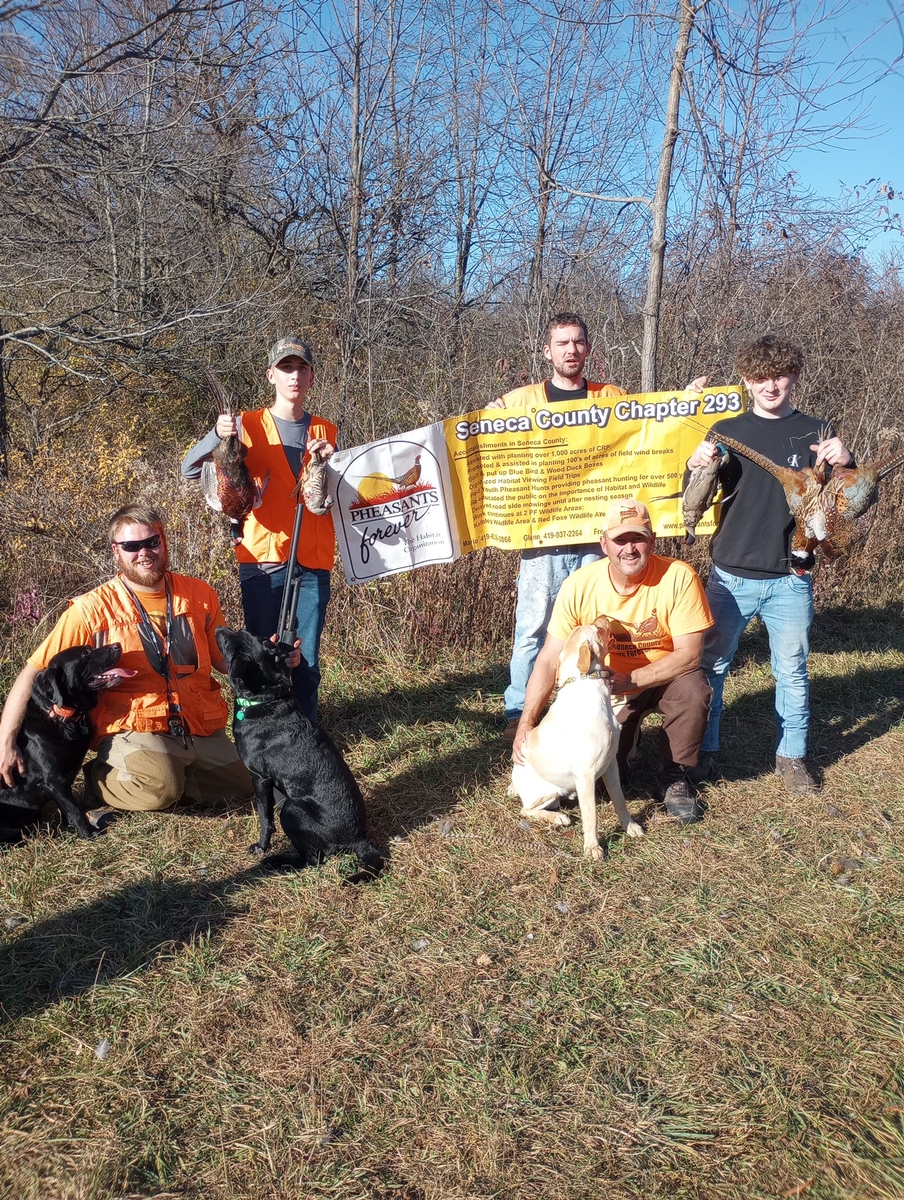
{"points": [[535, 393], [140, 704], [268, 529]]}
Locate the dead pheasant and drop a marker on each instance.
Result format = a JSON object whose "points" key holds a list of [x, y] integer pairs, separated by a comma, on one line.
{"points": [[849, 502], [311, 490], [225, 479], [700, 492], [803, 491]]}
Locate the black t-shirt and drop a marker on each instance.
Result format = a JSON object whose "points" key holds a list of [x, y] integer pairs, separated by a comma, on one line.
{"points": [[753, 539], [554, 393]]}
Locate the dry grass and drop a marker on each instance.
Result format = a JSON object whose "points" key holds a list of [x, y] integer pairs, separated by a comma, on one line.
{"points": [[713, 1012]]}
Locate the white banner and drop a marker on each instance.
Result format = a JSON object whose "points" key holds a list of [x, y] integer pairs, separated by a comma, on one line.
{"points": [[393, 506]]}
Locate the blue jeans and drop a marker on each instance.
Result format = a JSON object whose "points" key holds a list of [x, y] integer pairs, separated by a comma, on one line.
{"points": [[261, 597], [785, 606], [542, 574]]}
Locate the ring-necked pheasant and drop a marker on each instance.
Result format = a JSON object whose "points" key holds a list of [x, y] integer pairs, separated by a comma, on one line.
{"points": [[225, 479], [803, 490], [831, 512], [849, 503]]}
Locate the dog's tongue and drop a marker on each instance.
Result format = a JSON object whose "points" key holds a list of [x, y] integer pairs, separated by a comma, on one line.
{"points": [[119, 673]]}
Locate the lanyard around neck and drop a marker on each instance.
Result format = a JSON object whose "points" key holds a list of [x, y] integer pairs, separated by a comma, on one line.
{"points": [[150, 638]]}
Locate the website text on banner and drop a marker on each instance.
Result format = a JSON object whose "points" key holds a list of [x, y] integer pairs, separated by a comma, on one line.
{"points": [[542, 475]]}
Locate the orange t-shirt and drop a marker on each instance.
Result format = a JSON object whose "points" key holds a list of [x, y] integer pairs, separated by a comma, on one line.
{"points": [[71, 630], [668, 603]]}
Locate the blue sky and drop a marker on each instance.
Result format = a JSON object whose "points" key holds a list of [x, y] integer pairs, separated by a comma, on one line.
{"points": [[872, 144]]}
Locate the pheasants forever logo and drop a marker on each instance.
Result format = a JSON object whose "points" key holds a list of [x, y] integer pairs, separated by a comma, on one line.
{"points": [[387, 493], [387, 511], [638, 638]]}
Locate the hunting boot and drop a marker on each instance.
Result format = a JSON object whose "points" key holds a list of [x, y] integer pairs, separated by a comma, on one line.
{"points": [[795, 775]]}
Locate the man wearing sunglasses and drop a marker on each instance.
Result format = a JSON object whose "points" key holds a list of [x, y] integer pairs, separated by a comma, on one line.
{"points": [[161, 733], [279, 440]]}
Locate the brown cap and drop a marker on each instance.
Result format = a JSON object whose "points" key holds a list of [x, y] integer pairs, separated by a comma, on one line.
{"points": [[288, 346], [628, 516]]}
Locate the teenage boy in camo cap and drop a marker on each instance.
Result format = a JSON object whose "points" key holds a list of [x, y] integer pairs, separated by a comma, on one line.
{"points": [[280, 439], [752, 573]]}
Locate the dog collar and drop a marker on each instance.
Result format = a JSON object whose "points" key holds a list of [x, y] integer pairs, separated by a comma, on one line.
{"points": [[243, 702], [596, 673], [62, 714], [75, 721]]}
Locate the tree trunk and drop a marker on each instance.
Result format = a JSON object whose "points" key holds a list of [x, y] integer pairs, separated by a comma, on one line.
{"points": [[648, 373], [4, 428]]}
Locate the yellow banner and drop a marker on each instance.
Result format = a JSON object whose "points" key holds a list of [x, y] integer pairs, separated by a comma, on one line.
{"points": [[543, 475]]}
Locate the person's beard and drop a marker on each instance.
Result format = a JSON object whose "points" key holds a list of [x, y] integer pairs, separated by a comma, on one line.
{"points": [[148, 577]]}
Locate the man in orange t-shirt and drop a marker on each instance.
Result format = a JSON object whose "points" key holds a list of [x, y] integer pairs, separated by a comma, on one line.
{"points": [[657, 611], [566, 348]]}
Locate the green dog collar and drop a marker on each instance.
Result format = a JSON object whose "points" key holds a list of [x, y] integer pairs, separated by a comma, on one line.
{"points": [[241, 703]]}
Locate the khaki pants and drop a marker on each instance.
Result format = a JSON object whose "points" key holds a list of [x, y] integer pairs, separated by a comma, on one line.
{"points": [[148, 772]]}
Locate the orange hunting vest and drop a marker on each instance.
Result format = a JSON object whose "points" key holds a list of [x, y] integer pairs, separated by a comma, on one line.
{"points": [[140, 704], [268, 529], [535, 393]]}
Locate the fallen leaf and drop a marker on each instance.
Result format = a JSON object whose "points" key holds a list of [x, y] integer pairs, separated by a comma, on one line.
{"points": [[483, 960], [799, 1190]]}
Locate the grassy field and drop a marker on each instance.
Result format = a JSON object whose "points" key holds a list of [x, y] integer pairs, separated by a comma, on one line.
{"points": [[715, 1011]]}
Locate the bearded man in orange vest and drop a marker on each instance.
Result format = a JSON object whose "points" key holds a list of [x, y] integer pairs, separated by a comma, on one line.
{"points": [[567, 348], [160, 734], [280, 440]]}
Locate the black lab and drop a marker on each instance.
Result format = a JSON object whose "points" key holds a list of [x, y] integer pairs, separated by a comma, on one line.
{"points": [[55, 736], [322, 809]]}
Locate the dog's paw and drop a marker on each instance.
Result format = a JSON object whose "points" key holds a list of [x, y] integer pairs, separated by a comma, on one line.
{"points": [[560, 819], [257, 850], [594, 852], [634, 830]]}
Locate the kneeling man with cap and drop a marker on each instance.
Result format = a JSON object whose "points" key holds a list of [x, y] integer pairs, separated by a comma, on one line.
{"points": [[657, 611]]}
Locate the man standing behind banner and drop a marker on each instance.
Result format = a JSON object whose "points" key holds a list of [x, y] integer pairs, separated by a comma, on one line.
{"points": [[566, 347], [280, 439]]}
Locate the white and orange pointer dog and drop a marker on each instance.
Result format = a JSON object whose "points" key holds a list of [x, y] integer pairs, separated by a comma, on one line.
{"points": [[576, 742]]}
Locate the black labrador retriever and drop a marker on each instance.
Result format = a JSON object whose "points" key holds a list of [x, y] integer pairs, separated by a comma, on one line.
{"points": [[322, 809], [55, 735]]}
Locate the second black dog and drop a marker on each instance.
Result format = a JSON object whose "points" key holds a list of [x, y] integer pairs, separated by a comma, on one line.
{"points": [[322, 811], [55, 736]]}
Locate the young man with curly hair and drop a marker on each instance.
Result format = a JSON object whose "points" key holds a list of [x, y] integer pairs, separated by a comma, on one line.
{"points": [[752, 574]]}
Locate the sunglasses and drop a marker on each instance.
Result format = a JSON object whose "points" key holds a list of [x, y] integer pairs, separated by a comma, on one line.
{"points": [[150, 543]]}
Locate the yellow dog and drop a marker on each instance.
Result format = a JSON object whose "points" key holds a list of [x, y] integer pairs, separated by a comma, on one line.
{"points": [[576, 742]]}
